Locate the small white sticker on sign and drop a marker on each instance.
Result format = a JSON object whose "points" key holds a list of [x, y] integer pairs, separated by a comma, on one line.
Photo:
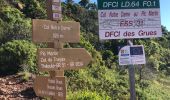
{"points": [[129, 55], [56, 8]]}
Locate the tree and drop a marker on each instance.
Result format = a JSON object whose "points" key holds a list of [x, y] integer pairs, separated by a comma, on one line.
{"points": [[92, 6], [69, 1], [17, 54], [13, 25], [33, 9], [84, 3]]}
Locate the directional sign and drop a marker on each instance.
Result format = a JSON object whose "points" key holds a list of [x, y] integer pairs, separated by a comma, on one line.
{"points": [[125, 19], [50, 87], [49, 31], [50, 59]]}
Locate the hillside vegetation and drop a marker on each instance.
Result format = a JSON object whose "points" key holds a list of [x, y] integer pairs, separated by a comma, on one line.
{"points": [[103, 79]]}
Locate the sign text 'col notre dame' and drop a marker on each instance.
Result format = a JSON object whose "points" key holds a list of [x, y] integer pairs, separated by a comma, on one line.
{"points": [[49, 31]]}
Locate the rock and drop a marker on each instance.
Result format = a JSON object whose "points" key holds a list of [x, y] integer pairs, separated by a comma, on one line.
{"points": [[1, 92], [13, 88]]}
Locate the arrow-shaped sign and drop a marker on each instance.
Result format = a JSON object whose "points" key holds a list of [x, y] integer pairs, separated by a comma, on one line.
{"points": [[50, 87], [50, 59], [49, 31]]}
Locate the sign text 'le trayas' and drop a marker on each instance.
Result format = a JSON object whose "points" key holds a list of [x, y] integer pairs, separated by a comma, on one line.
{"points": [[50, 59]]}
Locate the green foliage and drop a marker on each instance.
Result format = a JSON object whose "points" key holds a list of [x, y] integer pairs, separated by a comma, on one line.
{"points": [[33, 9], [86, 95], [97, 77], [11, 15], [84, 3], [2, 4], [109, 57], [17, 55], [103, 75], [69, 1], [13, 25], [157, 53], [102, 79], [87, 18], [156, 91], [25, 75]]}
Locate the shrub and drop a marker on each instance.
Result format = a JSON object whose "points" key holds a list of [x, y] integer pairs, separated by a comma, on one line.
{"points": [[17, 54], [86, 95], [13, 25]]}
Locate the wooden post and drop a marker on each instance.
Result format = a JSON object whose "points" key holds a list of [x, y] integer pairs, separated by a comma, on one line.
{"points": [[131, 70], [55, 73], [55, 34], [57, 44]]}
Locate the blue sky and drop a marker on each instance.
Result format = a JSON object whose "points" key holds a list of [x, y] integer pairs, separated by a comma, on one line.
{"points": [[165, 12]]}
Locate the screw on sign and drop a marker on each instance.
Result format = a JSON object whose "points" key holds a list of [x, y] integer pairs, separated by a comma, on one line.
{"points": [[50, 59], [50, 87]]}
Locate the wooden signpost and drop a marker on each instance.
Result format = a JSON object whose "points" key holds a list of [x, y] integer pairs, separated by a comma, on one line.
{"points": [[56, 59]]}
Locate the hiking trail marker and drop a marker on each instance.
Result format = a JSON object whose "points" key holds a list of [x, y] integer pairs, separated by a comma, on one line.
{"points": [[56, 59]]}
